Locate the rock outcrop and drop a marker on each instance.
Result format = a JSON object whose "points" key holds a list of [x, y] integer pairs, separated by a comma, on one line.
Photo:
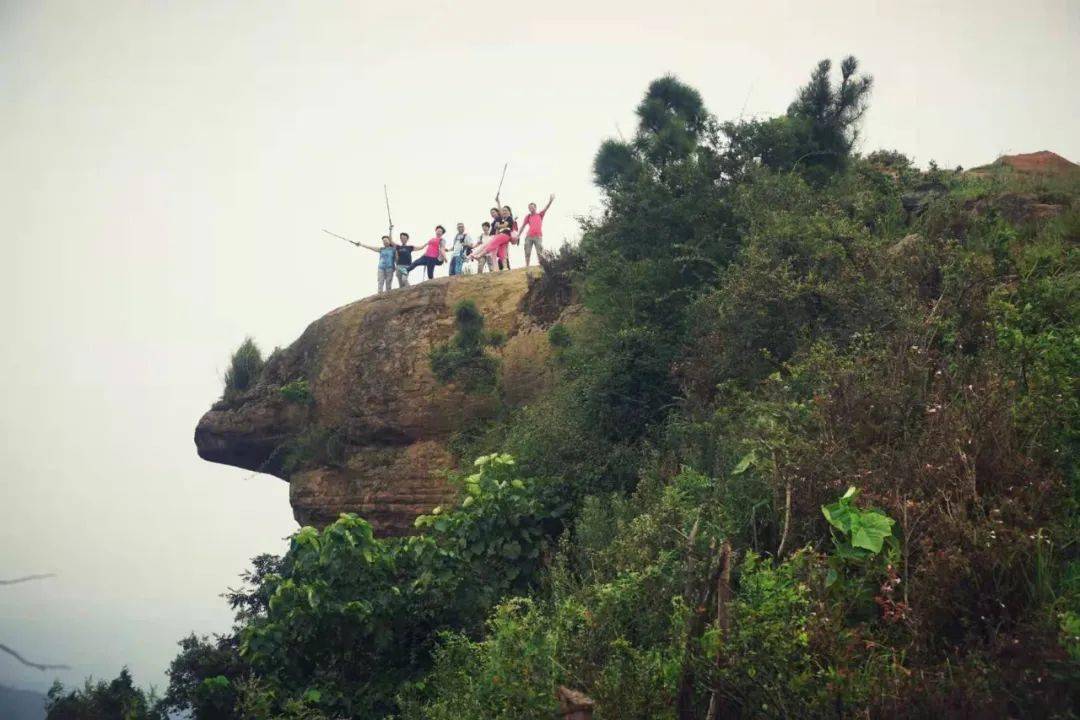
{"points": [[1042, 162], [366, 426]]}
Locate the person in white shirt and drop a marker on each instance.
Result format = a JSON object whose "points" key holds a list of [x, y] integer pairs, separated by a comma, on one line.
{"points": [[458, 248], [484, 261]]}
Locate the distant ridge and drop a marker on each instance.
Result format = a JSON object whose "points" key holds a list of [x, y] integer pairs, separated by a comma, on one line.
{"points": [[21, 704], [1043, 162]]}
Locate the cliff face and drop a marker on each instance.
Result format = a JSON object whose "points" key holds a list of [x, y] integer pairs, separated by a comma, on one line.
{"points": [[370, 433]]}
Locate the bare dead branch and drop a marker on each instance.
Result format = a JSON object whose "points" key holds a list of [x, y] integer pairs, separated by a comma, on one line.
{"points": [[36, 666], [27, 578], [787, 521]]}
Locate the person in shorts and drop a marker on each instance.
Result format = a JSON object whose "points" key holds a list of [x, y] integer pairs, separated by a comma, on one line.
{"points": [[534, 230], [404, 260]]}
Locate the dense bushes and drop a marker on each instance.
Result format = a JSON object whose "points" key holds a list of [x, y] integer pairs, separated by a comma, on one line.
{"points": [[345, 621], [788, 335], [117, 698]]}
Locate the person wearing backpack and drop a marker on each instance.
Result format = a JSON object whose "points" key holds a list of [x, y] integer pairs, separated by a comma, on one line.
{"points": [[459, 248]]}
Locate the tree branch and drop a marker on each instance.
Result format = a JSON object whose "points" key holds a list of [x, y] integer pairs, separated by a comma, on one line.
{"points": [[36, 666], [27, 578]]}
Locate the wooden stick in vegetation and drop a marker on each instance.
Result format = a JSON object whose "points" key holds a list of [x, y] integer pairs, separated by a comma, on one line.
{"points": [[718, 705], [718, 582], [787, 521]]}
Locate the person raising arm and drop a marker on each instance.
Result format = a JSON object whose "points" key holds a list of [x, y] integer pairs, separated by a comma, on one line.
{"points": [[387, 261], [534, 229]]}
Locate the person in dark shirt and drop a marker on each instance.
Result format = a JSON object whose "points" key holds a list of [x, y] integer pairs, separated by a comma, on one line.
{"points": [[506, 225], [404, 260], [503, 232]]}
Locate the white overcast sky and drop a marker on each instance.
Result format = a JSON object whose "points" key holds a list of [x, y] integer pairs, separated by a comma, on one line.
{"points": [[165, 169]]}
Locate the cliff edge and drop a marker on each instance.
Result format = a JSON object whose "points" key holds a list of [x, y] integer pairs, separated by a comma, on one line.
{"points": [[351, 414]]}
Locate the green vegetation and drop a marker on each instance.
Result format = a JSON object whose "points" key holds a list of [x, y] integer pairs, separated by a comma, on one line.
{"points": [[463, 359], [243, 371], [316, 446], [559, 336], [352, 619], [772, 321], [296, 391], [118, 698]]}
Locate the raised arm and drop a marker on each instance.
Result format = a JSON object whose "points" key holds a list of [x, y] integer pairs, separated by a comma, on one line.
{"points": [[369, 247], [551, 199]]}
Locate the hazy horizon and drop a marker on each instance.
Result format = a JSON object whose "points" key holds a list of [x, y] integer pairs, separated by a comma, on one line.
{"points": [[169, 168]]}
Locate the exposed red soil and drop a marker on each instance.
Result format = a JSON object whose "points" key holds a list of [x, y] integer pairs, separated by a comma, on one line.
{"points": [[1042, 162]]}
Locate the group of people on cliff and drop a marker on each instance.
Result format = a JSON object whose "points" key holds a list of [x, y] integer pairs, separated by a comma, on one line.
{"points": [[490, 250]]}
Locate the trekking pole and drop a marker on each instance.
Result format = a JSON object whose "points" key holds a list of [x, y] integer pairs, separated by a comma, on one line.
{"points": [[499, 191], [351, 242], [386, 195]]}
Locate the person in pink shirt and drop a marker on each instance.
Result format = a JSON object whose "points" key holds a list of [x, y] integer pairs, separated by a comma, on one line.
{"points": [[433, 255], [533, 225]]}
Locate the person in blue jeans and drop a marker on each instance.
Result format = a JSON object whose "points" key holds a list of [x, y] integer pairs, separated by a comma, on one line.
{"points": [[458, 249], [387, 261]]}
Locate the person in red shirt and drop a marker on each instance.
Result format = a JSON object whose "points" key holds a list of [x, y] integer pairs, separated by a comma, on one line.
{"points": [[534, 230]]}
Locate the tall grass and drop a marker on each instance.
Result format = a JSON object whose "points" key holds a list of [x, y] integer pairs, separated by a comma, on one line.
{"points": [[244, 368]]}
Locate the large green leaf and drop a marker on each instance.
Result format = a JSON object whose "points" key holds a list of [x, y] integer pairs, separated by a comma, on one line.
{"points": [[869, 530], [745, 462], [839, 515]]}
